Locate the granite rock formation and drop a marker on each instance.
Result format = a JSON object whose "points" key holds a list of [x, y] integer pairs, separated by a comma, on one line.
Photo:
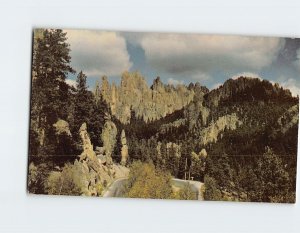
{"points": [[108, 137], [211, 133], [124, 149], [88, 174], [147, 103]]}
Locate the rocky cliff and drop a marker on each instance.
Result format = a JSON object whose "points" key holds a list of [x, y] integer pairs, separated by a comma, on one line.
{"points": [[211, 133], [108, 137], [147, 103], [90, 175], [248, 105]]}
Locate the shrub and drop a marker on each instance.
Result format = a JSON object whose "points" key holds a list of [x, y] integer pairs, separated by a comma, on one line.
{"points": [[186, 193], [147, 182], [63, 183]]}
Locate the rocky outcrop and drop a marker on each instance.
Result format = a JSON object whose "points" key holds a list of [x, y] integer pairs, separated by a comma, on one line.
{"points": [[87, 146], [108, 137], [88, 174], [196, 112], [62, 127], [92, 181], [211, 133], [124, 148], [149, 104]]}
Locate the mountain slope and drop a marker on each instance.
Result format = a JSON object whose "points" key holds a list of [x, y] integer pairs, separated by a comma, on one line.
{"points": [[235, 139]]}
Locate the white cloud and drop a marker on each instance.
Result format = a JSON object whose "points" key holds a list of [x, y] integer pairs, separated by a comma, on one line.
{"points": [[191, 54], [200, 76], [98, 53], [175, 82], [292, 85], [71, 82], [246, 74], [217, 85], [297, 62]]}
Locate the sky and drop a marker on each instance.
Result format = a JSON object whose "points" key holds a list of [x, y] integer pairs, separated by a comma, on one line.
{"points": [[183, 58]]}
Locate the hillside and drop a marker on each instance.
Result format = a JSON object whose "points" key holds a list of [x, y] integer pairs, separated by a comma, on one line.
{"points": [[240, 121], [248, 110], [222, 137]]}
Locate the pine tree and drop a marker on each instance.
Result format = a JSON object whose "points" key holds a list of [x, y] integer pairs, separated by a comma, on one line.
{"points": [[274, 179], [97, 120], [50, 67], [90, 109], [83, 101]]}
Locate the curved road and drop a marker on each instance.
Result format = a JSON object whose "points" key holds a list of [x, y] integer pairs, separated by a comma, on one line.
{"points": [[117, 187], [195, 186]]}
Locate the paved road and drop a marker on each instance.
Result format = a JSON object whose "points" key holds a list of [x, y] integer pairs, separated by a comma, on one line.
{"points": [[116, 188], [195, 186]]}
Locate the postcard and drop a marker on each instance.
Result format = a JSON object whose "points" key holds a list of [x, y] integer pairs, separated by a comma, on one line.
{"points": [[164, 115]]}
